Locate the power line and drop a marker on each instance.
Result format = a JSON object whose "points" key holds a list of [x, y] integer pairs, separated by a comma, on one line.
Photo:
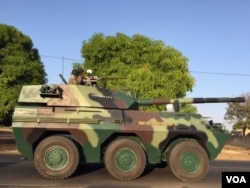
{"points": [[54, 57], [199, 72], [221, 73]]}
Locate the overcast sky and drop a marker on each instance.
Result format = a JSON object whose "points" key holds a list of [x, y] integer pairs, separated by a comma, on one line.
{"points": [[214, 35]]}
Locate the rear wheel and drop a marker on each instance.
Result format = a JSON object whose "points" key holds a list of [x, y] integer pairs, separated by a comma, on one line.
{"points": [[56, 157], [188, 161], [125, 159]]}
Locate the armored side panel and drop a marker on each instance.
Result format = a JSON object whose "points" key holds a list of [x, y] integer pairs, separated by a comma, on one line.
{"points": [[92, 127]]}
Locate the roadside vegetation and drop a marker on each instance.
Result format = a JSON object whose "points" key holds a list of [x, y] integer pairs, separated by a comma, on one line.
{"points": [[20, 64]]}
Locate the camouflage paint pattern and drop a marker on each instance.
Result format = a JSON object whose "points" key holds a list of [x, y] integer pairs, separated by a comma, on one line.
{"points": [[93, 117]]}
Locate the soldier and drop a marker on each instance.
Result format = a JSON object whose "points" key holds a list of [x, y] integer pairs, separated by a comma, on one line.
{"points": [[73, 77], [80, 76]]}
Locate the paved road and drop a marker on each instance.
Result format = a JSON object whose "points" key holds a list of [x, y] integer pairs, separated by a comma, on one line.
{"points": [[15, 171]]}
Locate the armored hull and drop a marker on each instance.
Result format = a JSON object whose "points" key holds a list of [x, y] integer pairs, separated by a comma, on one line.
{"points": [[59, 126]]}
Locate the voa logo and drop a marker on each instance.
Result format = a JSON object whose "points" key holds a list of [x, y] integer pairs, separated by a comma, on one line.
{"points": [[236, 179]]}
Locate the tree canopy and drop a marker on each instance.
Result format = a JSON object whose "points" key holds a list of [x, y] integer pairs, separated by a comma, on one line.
{"points": [[151, 69], [20, 64], [239, 113]]}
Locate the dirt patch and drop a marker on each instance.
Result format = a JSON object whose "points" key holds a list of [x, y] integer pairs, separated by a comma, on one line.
{"points": [[7, 142], [234, 153], [6, 148]]}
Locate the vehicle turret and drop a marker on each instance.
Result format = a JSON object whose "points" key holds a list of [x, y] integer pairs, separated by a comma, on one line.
{"points": [[85, 96]]}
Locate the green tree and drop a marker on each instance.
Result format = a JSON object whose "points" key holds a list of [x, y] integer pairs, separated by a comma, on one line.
{"points": [[239, 113], [151, 69], [20, 64], [77, 65], [188, 108]]}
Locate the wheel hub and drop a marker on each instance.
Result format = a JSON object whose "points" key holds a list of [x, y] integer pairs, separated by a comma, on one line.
{"points": [[189, 162], [125, 159], [56, 157]]}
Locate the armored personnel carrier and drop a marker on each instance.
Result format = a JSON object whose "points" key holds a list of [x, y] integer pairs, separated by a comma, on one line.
{"points": [[60, 126]]}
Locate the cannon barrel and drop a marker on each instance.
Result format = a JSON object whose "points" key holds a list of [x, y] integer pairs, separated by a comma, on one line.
{"points": [[149, 102]]}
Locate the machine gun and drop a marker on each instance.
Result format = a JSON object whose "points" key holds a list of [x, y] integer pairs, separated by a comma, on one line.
{"points": [[92, 80]]}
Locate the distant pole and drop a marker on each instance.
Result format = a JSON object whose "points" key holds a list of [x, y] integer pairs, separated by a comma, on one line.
{"points": [[63, 66]]}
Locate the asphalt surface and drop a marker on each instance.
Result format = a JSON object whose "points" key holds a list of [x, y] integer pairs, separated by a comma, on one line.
{"points": [[16, 172]]}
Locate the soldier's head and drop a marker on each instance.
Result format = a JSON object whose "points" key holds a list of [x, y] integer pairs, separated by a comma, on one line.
{"points": [[80, 71], [74, 72]]}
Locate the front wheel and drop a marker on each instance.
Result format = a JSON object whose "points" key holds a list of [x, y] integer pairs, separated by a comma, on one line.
{"points": [[56, 157], [188, 161], [125, 159]]}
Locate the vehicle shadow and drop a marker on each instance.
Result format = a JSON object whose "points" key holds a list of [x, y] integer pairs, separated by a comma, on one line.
{"points": [[87, 168], [84, 168]]}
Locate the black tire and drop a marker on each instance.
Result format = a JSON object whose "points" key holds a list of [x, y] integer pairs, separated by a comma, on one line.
{"points": [[125, 159], [188, 161], [56, 157]]}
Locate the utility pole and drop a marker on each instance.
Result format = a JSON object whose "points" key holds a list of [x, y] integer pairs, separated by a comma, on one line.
{"points": [[63, 66]]}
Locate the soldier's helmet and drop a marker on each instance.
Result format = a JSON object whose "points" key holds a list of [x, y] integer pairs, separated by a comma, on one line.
{"points": [[89, 71]]}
